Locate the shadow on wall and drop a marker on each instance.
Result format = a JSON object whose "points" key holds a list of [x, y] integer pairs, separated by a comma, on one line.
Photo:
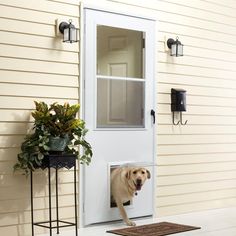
{"points": [[15, 187], [16, 203]]}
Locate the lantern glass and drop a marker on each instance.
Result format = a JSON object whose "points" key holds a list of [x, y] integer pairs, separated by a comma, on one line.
{"points": [[179, 52], [70, 34], [173, 50], [73, 34], [176, 50], [66, 35]]}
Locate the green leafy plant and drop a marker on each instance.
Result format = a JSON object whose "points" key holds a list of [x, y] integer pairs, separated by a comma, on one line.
{"points": [[53, 121]]}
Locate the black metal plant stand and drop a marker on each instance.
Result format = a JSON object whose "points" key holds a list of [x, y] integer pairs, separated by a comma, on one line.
{"points": [[55, 161]]}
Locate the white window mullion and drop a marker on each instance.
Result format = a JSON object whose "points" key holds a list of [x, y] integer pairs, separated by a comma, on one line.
{"points": [[120, 78]]}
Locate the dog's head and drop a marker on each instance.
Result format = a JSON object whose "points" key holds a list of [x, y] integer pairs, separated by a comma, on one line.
{"points": [[137, 177]]}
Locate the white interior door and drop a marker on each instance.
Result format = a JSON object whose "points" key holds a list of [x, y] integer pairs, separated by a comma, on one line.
{"points": [[118, 99]]}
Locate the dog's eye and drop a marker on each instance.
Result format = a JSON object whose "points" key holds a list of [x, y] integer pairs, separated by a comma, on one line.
{"points": [[143, 172], [135, 172]]}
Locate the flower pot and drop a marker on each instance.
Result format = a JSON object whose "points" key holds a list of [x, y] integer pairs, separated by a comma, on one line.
{"points": [[58, 144]]}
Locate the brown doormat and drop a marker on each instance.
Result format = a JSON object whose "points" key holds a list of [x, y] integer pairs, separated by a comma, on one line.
{"points": [[157, 229]]}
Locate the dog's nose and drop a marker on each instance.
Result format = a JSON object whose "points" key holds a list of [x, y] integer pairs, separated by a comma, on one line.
{"points": [[138, 181]]}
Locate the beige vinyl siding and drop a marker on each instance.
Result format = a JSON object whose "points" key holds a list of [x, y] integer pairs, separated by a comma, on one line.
{"points": [[197, 162], [34, 65]]}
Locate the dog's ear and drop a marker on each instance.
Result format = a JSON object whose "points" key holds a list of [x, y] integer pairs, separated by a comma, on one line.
{"points": [[148, 174], [128, 174]]}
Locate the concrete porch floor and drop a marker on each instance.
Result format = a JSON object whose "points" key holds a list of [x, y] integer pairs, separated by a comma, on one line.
{"points": [[219, 222]]}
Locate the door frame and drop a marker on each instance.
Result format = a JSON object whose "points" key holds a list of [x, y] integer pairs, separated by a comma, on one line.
{"points": [[109, 9]]}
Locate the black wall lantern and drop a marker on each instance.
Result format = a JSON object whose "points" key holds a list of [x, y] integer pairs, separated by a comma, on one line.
{"points": [[178, 104], [175, 46], [69, 32]]}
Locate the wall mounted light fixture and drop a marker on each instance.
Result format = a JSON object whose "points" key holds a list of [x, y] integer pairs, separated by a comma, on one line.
{"points": [[175, 46], [69, 32]]}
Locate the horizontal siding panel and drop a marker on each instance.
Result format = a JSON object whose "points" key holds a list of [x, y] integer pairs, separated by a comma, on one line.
{"points": [[198, 50], [195, 71], [6, 155], [200, 91], [39, 204], [196, 168], [8, 219], [226, 3], [40, 177], [196, 197], [195, 139], [196, 148], [15, 115], [210, 100], [38, 66], [202, 110], [38, 91], [200, 81], [197, 206], [36, 41], [25, 103], [44, 6], [197, 46], [10, 141], [30, 15], [41, 215], [27, 27], [196, 22], [195, 129], [22, 77], [14, 128], [196, 158], [38, 54], [204, 5], [205, 100], [13, 183], [196, 187], [170, 180], [16, 192], [199, 120], [169, 7], [40, 180], [198, 61], [9, 230], [195, 32], [193, 12], [215, 54]]}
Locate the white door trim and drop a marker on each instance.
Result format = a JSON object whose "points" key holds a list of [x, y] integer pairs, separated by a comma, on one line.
{"points": [[84, 6]]}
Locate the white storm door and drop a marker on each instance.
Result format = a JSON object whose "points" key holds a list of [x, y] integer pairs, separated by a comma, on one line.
{"points": [[118, 99]]}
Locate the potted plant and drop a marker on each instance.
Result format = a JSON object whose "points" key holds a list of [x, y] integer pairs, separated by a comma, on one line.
{"points": [[56, 130]]}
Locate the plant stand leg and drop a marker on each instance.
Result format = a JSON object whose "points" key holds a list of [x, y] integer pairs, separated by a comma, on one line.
{"points": [[50, 203], [57, 210], [32, 202], [75, 193]]}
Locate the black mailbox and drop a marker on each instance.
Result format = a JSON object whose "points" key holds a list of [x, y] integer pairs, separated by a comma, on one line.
{"points": [[178, 100]]}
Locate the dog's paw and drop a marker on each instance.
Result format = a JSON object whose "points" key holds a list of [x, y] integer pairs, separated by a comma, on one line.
{"points": [[130, 223]]}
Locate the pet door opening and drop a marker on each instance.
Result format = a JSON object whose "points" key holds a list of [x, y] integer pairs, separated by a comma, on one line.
{"points": [[112, 200]]}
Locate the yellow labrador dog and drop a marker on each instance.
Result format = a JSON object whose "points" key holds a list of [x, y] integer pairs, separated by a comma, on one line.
{"points": [[125, 182]]}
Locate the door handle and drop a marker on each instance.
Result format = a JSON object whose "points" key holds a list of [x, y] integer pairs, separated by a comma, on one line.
{"points": [[153, 114]]}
